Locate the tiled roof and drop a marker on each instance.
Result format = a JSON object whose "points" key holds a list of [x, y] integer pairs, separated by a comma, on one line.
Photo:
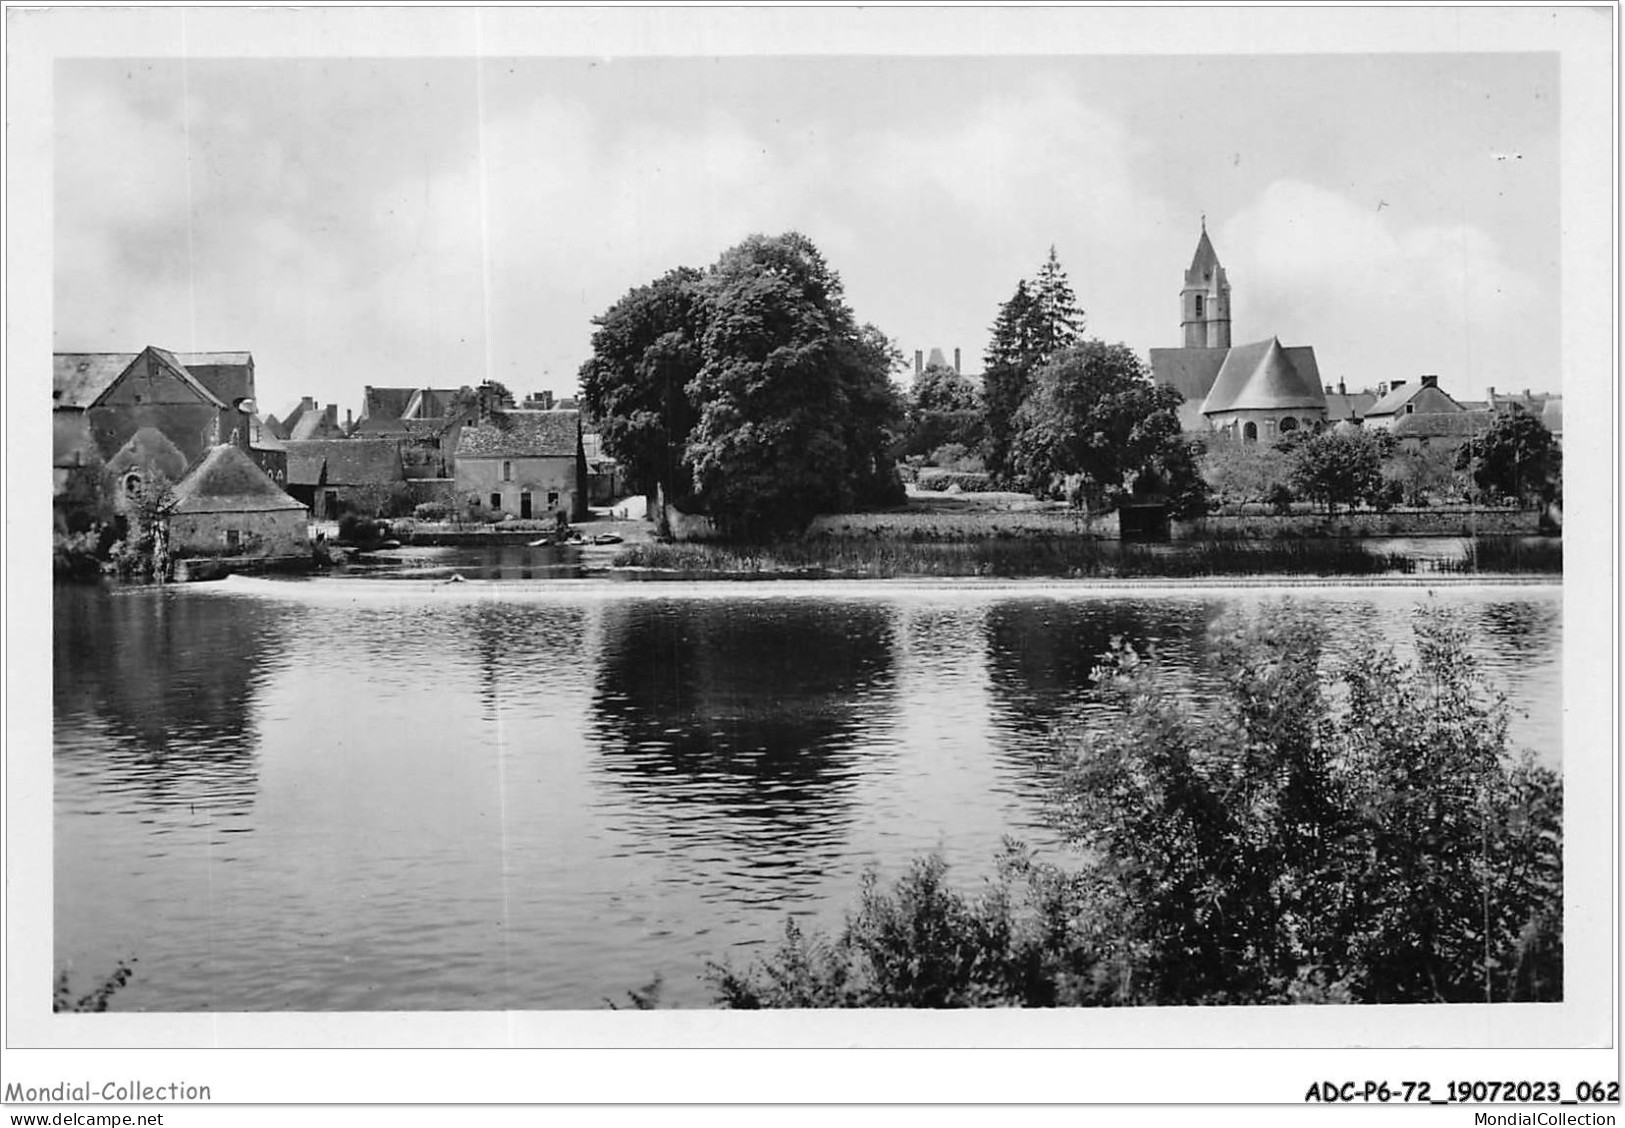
{"points": [[1265, 376], [228, 375], [1394, 402], [1441, 424], [430, 403], [273, 426], [522, 434], [264, 437], [1190, 371], [149, 447], [1348, 405], [226, 480], [385, 403], [320, 423], [348, 462], [186, 376], [79, 378]]}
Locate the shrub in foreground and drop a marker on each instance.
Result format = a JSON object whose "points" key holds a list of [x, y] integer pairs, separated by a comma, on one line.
{"points": [[1317, 831]]}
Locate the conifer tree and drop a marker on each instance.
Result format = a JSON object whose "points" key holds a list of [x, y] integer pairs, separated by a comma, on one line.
{"points": [[1060, 317]]}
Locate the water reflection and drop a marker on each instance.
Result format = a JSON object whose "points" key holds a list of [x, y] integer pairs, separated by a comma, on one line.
{"points": [[751, 722], [167, 685]]}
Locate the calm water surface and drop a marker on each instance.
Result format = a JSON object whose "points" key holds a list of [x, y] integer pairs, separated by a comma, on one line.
{"points": [[362, 793]]}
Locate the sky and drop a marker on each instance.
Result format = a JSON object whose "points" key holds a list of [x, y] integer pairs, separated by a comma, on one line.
{"points": [[435, 222]]}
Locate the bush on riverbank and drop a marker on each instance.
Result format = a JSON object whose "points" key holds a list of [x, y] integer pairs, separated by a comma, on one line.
{"points": [[1362, 833]]}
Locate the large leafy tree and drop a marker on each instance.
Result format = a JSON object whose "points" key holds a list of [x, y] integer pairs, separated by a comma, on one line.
{"points": [[1095, 420], [1341, 466], [1516, 458], [796, 413], [646, 351]]}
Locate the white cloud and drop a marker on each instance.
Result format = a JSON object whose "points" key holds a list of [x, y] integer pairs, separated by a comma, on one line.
{"points": [[1380, 297]]}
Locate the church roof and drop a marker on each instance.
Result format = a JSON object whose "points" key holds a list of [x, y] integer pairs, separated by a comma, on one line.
{"points": [[1265, 376], [1191, 372], [1204, 262], [227, 481]]}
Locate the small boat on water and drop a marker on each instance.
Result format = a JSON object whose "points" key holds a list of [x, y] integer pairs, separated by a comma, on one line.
{"points": [[607, 538], [540, 542]]}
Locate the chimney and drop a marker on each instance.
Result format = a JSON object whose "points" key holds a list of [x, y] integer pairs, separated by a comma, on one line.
{"points": [[919, 361], [1328, 389], [307, 404], [956, 362], [1382, 389], [1430, 381], [349, 419], [1396, 384], [1526, 394], [1341, 390]]}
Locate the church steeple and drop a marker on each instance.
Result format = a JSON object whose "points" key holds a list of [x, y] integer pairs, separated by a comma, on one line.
{"points": [[1204, 303]]}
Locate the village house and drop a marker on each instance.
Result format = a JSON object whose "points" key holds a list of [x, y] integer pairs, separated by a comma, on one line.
{"points": [[336, 476], [1254, 392], [1422, 414], [227, 506], [114, 406], [527, 464]]}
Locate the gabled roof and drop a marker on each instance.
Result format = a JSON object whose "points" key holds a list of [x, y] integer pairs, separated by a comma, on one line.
{"points": [[225, 480], [522, 434], [429, 403], [385, 403], [78, 379], [347, 462], [273, 426], [1348, 405], [1189, 371], [320, 423], [149, 448], [263, 437], [1394, 402], [1265, 376], [185, 375]]}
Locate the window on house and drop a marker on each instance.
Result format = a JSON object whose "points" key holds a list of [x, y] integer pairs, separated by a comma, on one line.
{"points": [[496, 501], [1249, 433], [1410, 409], [233, 538], [132, 484], [507, 471], [552, 498], [1288, 424], [1198, 305]]}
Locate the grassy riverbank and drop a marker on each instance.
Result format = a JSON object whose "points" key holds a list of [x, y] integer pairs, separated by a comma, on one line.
{"points": [[1080, 558]]}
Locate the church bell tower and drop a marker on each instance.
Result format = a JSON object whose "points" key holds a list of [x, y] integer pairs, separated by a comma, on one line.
{"points": [[1204, 303]]}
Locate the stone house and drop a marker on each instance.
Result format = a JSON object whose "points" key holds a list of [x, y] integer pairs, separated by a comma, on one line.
{"points": [[227, 506], [528, 464], [335, 476], [101, 402], [1252, 392]]}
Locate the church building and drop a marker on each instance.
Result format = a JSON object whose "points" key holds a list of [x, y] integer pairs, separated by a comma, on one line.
{"points": [[1254, 392]]}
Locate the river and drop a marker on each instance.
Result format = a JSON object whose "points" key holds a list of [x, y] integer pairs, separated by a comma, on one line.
{"points": [[366, 793]]}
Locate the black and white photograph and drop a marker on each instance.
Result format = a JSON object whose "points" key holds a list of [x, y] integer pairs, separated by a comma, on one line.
{"points": [[1085, 529]]}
